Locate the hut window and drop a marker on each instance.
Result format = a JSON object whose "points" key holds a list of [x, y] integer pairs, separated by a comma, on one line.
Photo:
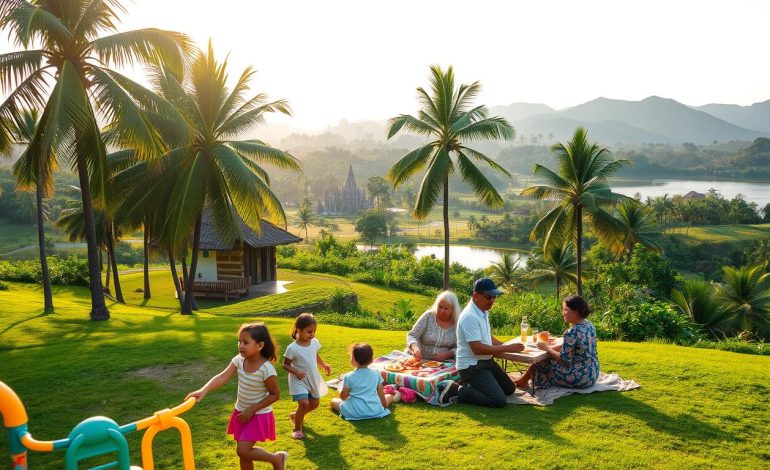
{"points": [[205, 253]]}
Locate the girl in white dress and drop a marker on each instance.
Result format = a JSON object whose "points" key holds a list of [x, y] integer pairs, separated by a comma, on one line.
{"points": [[301, 360]]}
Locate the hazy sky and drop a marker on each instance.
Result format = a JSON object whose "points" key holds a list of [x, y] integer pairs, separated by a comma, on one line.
{"points": [[363, 59]]}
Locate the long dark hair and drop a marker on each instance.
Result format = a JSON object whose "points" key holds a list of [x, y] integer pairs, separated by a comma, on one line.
{"points": [[258, 332], [303, 321], [578, 304]]}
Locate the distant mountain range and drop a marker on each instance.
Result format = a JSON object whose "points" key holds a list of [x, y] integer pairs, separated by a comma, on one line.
{"points": [[653, 120]]}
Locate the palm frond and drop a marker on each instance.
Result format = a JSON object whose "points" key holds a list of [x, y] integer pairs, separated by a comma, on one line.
{"points": [[432, 183], [145, 46], [410, 164], [410, 123], [481, 186], [261, 153]]}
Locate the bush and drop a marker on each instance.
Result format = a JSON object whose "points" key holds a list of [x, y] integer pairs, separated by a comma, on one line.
{"points": [[66, 271], [542, 312], [640, 319], [3, 286]]}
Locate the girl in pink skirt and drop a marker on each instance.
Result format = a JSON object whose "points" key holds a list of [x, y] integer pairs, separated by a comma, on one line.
{"points": [[252, 420]]}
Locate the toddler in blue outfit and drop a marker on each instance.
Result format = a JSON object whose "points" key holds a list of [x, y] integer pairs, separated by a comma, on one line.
{"points": [[362, 396]]}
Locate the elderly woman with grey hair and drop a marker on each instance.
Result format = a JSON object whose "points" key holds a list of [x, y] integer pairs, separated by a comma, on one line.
{"points": [[433, 336]]}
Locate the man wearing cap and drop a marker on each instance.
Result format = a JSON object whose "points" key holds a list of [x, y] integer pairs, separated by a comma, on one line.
{"points": [[484, 381]]}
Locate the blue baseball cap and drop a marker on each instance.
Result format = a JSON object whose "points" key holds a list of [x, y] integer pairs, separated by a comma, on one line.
{"points": [[487, 286]]}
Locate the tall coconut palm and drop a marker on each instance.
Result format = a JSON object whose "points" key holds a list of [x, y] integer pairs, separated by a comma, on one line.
{"points": [[64, 70], [557, 263], [580, 187], [211, 169], [745, 295], [697, 300], [35, 169], [637, 225], [448, 119]]}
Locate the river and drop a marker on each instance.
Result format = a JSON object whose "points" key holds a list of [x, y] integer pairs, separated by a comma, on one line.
{"points": [[751, 191]]}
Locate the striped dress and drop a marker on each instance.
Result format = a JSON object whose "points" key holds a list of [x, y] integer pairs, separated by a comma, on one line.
{"points": [[251, 385]]}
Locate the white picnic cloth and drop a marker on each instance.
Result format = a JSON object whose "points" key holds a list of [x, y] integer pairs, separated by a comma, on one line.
{"points": [[546, 396]]}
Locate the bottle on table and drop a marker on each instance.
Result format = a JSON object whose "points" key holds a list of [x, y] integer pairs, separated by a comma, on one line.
{"points": [[524, 329]]}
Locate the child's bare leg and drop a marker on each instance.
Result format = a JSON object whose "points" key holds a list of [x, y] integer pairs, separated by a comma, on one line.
{"points": [[313, 404], [299, 415], [246, 464], [388, 399], [247, 451], [335, 404]]}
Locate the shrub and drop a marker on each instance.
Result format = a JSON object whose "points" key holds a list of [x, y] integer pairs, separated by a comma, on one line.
{"points": [[542, 312], [67, 271], [640, 319], [3, 286]]}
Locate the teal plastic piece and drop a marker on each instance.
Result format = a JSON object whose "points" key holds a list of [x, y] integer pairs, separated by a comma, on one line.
{"points": [[94, 437]]}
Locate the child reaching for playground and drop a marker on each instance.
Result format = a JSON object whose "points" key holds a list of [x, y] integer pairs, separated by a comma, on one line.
{"points": [[301, 360], [252, 420], [362, 396]]}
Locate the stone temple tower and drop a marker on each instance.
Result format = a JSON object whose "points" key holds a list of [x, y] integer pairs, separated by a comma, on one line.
{"points": [[348, 200]]}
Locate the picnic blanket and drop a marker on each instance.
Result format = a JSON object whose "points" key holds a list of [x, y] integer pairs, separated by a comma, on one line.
{"points": [[425, 387], [546, 396]]}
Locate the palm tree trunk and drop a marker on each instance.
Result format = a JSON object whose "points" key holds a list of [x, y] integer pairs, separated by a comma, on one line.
{"points": [[185, 272], [47, 295], [99, 309], [558, 288], [579, 247], [147, 294], [446, 232], [107, 277], [175, 277], [188, 303], [115, 278]]}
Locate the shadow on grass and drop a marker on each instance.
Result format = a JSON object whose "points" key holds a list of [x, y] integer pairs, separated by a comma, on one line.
{"points": [[543, 420], [324, 450], [385, 430]]}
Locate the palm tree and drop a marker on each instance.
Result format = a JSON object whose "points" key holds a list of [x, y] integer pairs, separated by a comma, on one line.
{"points": [[305, 218], [35, 169], [72, 221], [698, 301], [637, 226], [378, 188], [581, 188], [447, 117], [557, 263], [745, 295], [70, 51], [472, 224], [210, 169], [662, 205], [507, 271]]}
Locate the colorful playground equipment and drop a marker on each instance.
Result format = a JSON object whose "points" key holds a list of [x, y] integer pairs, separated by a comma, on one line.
{"points": [[93, 437]]}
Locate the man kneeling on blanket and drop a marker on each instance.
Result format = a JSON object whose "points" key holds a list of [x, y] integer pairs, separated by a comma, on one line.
{"points": [[484, 381]]}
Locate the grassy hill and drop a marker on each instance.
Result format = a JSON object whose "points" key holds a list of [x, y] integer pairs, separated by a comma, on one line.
{"points": [[696, 408]]}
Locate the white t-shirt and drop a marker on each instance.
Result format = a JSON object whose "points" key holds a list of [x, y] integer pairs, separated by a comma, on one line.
{"points": [[473, 325], [251, 385], [304, 358]]}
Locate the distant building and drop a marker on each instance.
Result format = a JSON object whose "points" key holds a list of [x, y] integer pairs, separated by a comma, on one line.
{"points": [[694, 195], [228, 268], [350, 199]]}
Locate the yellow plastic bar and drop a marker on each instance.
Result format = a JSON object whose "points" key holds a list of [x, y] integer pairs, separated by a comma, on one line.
{"points": [[33, 444], [166, 422], [155, 419], [11, 407]]}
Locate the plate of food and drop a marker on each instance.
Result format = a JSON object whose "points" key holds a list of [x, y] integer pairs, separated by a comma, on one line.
{"points": [[411, 363], [432, 364], [394, 367]]}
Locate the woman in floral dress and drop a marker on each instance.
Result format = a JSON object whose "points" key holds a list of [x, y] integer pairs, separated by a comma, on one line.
{"points": [[575, 363]]}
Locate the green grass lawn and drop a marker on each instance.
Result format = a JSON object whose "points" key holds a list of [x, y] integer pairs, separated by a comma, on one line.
{"points": [[14, 235], [724, 233], [696, 408]]}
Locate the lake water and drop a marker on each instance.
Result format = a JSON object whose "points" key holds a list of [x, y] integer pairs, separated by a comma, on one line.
{"points": [[469, 256], [752, 192]]}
